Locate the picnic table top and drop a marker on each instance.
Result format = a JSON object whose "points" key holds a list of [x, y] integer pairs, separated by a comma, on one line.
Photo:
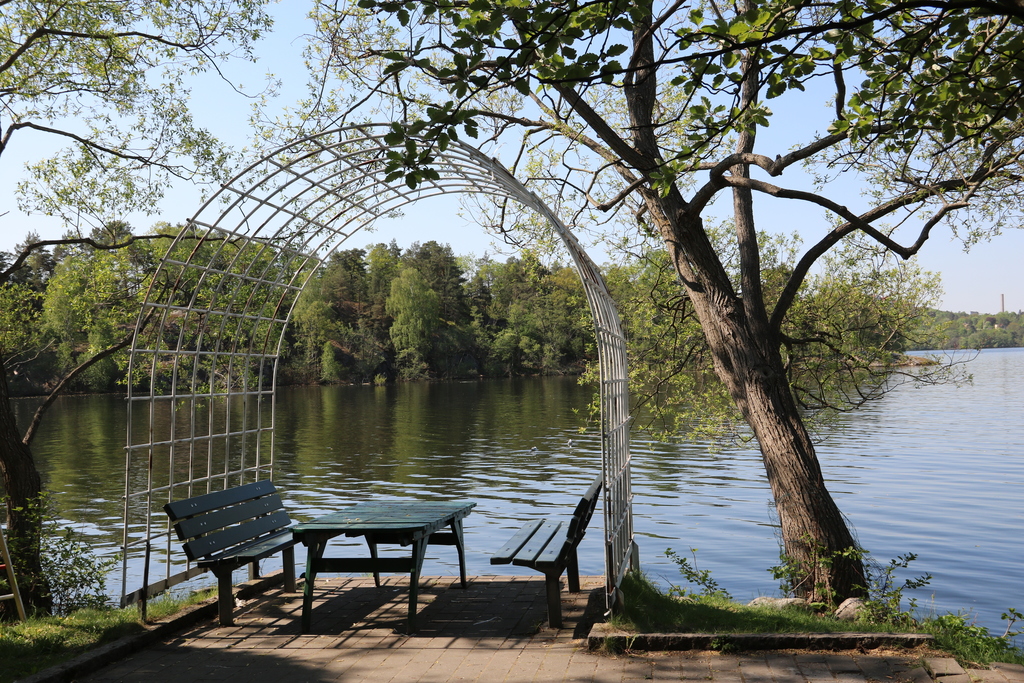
{"points": [[388, 515]]}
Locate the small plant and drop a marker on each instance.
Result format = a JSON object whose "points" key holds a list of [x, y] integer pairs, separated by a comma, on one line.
{"points": [[699, 577], [77, 578], [724, 644], [1011, 616], [71, 575], [810, 579], [885, 597]]}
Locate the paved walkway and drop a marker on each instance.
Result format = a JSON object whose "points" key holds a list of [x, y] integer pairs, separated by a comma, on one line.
{"points": [[491, 632]]}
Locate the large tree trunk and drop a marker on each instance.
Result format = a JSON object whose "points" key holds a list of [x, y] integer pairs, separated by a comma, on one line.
{"points": [[24, 487], [816, 539], [746, 352]]}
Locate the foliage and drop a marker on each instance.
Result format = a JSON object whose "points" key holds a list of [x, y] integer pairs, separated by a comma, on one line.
{"points": [[423, 312], [885, 594], [948, 330], [795, 575], [107, 77], [849, 326], [972, 645], [73, 577], [700, 577], [76, 577], [19, 312]]}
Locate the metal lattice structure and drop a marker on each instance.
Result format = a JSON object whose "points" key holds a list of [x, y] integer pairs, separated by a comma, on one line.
{"points": [[203, 366]]}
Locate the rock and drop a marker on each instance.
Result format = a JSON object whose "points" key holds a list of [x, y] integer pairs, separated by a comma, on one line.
{"points": [[850, 609], [778, 603]]}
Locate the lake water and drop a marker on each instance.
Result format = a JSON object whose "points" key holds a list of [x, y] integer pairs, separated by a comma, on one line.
{"points": [[937, 471]]}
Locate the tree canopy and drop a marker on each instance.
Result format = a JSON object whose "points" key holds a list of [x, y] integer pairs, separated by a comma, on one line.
{"points": [[109, 79]]}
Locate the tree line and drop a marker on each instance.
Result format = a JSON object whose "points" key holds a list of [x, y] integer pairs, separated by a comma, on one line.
{"points": [[385, 313], [948, 330], [374, 314]]}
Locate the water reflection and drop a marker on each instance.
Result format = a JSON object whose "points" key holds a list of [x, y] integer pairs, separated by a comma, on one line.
{"points": [[937, 471]]}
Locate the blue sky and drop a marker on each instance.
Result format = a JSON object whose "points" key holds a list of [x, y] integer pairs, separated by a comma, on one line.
{"points": [[976, 281]]}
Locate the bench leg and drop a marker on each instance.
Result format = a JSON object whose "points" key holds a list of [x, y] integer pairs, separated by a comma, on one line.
{"points": [[288, 558], [254, 570], [572, 572], [554, 592], [225, 597]]}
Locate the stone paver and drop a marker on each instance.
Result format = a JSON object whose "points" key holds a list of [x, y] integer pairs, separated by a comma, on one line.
{"points": [[487, 633]]}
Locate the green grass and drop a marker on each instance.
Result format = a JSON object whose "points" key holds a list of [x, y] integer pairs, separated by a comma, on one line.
{"points": [[40, 642], [649, 610]]}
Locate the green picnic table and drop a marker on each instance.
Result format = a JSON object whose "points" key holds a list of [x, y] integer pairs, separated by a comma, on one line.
{"points": [[415, 524]]}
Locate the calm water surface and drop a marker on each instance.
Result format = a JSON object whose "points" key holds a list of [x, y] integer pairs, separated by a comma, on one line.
{"points": [[936, 471]]}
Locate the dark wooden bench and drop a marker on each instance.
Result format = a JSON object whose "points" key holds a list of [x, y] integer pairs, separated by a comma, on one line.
{"points": [[225, 530], [542, 545]]}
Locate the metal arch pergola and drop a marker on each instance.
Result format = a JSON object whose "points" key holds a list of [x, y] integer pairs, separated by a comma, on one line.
{"points": [[203, 366]]}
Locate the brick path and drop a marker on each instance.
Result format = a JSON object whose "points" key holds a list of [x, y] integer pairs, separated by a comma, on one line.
{"points": [[489, 633]]}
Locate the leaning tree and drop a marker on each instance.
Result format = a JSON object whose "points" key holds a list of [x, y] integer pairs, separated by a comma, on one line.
{"points": [[664, 108]]}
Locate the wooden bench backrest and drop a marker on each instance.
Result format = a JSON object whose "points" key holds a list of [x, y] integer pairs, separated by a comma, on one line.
{"points": [[581, 516], [213, 522]]}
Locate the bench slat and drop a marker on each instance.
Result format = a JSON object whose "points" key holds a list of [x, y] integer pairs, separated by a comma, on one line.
{"points": [[537, 544], [190, 507], [555, 552], [508, 551], [235, 535], [218, 519], [256, 550]]}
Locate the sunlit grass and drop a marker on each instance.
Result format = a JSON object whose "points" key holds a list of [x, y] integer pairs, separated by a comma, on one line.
{"points": [[41, 642], [648, 610]]}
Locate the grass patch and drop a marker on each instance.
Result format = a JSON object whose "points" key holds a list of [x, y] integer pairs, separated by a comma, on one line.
{"points": [[649, 610], [970, 644], [41, 642]]}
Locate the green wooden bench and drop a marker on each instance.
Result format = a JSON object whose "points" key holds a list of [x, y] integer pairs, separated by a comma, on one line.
{"points": [[542, 545], [224, 530]]}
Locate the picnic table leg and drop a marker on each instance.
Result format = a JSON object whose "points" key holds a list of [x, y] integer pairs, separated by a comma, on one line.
{"points": [[460, 547], [372, 543], [419, 551], [315, 551]]}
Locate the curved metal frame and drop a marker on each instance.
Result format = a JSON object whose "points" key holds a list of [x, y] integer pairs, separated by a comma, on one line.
{"points": [[203, 365]]}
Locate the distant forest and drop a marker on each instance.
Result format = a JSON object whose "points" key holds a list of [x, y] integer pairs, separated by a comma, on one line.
{"points": [[384, 313], [945, 330]]}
